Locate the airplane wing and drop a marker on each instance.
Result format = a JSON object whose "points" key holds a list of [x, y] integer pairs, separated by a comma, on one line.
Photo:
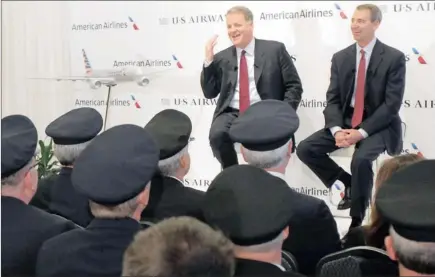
{"points": [[103, 80]]}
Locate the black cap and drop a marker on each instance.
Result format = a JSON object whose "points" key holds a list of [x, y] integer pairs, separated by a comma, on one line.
{"points": [[76, 126], [116, 166], [19, 140], [171, 130], [265, 126], [407, 201], [248, 204]]}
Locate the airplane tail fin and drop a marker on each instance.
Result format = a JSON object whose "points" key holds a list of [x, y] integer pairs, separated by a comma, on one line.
{"points": [[88, 66]]}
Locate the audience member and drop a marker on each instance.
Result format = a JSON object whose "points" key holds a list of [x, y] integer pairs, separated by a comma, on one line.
{"points": [[406, 200], [253, 209], [71, 133], [179, 247], [374, 234], [265, 131], [113, 172], [169, 197], [24, 228]]}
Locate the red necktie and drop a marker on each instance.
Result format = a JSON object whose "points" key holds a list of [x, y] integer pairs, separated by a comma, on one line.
{"points": [[358, 108], [244, 101]]}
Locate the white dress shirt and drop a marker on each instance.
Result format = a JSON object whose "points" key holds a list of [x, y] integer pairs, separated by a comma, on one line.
{"points": [[250, 60], [368, 50]]}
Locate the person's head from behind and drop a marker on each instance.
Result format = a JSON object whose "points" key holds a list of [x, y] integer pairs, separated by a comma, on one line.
{"points": [[406, 201], [265, 130], [179, 247], [255, 214], [72, 132], [19, 147], [365, 21], [114, 172], [240, 26], [387, 169], [171, 130]]}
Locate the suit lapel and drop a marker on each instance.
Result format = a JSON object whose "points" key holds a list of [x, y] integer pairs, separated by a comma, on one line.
{"points": [[258, 61], [233, 65], [375, 60], [350, 69]]}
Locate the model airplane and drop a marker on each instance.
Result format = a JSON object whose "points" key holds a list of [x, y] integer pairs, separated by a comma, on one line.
{"points": [[97, 77]]}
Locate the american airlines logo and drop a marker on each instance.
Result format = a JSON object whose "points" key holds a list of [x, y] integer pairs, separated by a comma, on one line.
{"points": [[194, 19], [106, 25]]}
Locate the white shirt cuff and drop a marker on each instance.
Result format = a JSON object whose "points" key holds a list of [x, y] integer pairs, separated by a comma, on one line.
{"points": [[335, 129], [207, 63], [363, 133]]}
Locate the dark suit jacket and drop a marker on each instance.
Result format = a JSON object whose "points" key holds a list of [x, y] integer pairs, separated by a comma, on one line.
{"points": [[24, 229], [259, 269], [59, 194], [95, 251], [169, 197], [384, 90], [275, 75], [313, 232]]}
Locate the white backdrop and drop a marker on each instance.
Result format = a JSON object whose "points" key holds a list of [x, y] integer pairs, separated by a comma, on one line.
{"points": [[40, 39]]}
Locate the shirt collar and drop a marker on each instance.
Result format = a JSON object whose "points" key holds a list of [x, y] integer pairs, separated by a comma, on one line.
{"points": [[175, 179], [250, 48], [369, 47], [277, 174]]}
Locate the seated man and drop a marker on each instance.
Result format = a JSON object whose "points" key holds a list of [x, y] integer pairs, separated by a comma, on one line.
{"points": [[24, 228], [406, 200], [113, 172], [200, 251], [253, 209], [360, 112], [71, 133], [265, 131], [169, 197]]}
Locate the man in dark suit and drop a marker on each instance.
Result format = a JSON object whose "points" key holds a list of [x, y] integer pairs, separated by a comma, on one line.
{"points": [[169, 197], [253, 209], [363, 102], [113, 172], [71, 133], [24, 228], [266, 144], [249, 71]]}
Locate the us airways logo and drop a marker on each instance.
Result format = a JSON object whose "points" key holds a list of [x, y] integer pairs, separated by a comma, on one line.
{"points": [[417, 54], [106, 25], [426, 6], [184, 101], [192, 19]]}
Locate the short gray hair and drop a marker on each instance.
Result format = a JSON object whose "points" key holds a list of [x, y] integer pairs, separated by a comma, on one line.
{"points": [[16, 178], [413, 255], [249, 16], [275, 244], [67, 154], [266, 159], [375, 11], [169, 166]]}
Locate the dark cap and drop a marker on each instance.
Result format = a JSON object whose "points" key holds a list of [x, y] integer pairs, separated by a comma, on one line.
{"points": [[76, 126], [171, 130], [117, 165], [19, 140], [407, 201], [265, 126], [248, 204]]}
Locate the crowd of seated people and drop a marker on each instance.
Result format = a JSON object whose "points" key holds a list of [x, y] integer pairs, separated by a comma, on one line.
{"points": [[118, 206]]}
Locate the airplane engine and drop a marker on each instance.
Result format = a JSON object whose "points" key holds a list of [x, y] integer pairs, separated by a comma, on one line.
{"points": [[95, 84], [143, 81]]}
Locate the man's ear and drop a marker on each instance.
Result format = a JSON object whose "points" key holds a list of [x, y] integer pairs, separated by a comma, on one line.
{"points": [[144, 196], [390, 249]]}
